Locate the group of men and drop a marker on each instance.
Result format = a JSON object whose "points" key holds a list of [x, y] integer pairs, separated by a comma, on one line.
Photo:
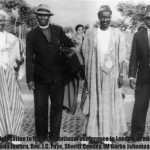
{"points": [[45, 78]]}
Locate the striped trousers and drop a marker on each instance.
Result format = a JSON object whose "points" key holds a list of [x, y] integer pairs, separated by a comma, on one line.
{"points": [[11, 104]]}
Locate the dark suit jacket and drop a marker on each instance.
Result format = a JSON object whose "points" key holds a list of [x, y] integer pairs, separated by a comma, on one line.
{"points": [[140, 58], [42, 56]]}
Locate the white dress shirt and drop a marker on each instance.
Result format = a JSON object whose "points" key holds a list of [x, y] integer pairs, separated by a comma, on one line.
{"points": [[103, 38]]}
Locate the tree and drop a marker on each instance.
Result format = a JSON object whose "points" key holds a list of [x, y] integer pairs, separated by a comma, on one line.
{"points": [[21, 15], [20, 11], [131, 12], [27, 16]]}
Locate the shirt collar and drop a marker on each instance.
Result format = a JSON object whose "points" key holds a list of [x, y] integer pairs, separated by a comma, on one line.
{"points": [[44, 27]]}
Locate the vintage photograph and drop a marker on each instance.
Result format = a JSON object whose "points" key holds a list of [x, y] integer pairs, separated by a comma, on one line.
{"points": [[74, 74]]}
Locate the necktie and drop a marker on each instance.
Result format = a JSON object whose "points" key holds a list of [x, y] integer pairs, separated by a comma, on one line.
{"points": [[47, 34]]}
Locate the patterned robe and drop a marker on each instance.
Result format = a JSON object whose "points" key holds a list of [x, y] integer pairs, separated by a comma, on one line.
{"points": [[11, 104], [104, 104]]}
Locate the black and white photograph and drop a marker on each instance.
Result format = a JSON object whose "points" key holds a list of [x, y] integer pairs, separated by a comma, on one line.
{"points": [[74, 74]]}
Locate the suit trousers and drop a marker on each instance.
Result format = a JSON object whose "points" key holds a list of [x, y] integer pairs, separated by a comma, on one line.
{"points": [[142, 95], [42, 92]]}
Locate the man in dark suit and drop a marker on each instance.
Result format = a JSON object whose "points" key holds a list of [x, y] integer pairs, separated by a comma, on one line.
{"points": [[44, 74], [139, 69]]}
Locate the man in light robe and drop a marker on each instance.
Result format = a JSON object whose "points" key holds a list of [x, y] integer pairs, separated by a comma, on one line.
{"points": [[104, 51], [11, 104]]}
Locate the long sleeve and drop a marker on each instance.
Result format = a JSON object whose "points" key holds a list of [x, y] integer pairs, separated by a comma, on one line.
{"points": [[14, 51], [87, 51], [122, 52], [85, 48], [29, 58], [133, 64]]}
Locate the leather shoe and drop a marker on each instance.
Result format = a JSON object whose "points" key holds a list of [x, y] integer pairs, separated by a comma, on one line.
{"points": [[135, 137], [54, 142]]}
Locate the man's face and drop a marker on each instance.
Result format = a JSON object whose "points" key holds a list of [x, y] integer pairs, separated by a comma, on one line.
{"points": [[2, 22], [147, 21], [43, 19], [105, 18]]}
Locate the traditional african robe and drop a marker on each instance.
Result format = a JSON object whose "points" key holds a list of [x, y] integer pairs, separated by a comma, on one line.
{"points": [[104, 105], [11, 104]]}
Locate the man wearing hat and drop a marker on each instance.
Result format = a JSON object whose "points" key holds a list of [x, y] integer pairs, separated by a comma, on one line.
{"points": [[139, 75], [104, 51], [44, 74]]}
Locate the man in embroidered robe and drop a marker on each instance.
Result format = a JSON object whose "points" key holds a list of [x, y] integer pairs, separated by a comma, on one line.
{"points": [[104, 51], [11, 104]]}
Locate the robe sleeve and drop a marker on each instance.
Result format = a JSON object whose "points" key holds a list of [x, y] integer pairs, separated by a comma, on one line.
{"points": [[14, 50], [121, 51], [133, 63], [14, 54], [85, 48]]}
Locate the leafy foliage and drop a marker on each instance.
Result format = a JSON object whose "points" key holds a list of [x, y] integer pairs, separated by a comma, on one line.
{"points": [[20, 12], [132, 12], [27, 16]]}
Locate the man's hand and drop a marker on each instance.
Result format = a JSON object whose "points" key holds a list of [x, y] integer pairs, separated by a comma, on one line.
{"points": [[120, 81], [132, 83], [31, 85], [20, 61]]}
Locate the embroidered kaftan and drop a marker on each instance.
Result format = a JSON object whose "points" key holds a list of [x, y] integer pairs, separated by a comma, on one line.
{"points": [[11, 104], [104, 106]]}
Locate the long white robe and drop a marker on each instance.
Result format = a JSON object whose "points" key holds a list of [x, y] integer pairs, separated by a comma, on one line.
{"points": [[11, 104], [104, 106]]}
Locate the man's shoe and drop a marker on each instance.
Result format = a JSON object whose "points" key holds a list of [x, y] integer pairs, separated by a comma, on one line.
{"points": [[84, 142], [54, 142], [16, 142], [41, 140], [95, 142], [135, 138], [7, 138], [107, 142]]}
